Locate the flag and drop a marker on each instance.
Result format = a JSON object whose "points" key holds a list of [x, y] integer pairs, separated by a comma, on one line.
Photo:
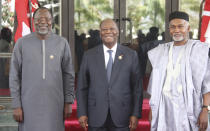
{"points": [[205, 25], [23, 17]]}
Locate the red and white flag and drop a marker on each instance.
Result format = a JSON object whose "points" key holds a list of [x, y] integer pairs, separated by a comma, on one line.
{"points": [[205, 25], [23, 17]]}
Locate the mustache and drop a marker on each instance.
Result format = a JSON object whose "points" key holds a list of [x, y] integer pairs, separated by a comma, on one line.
{"points": [[177, 34], [43, 25]]}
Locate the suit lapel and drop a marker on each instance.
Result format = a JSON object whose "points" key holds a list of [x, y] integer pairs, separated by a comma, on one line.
{"points": [[101, 64], [117, 63]]}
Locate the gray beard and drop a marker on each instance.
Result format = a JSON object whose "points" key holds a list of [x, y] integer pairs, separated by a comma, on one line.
{"points": [[181, 38], [43, 32]]}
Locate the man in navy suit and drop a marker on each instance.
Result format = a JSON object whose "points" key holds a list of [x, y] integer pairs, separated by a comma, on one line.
{"points": [[109, 92]]}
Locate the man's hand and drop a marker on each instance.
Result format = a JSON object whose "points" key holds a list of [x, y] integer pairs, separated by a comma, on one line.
{"points": [[203, 120], [83, 121], [18, 114], [133, 123], [67, 110], [150, 116]]}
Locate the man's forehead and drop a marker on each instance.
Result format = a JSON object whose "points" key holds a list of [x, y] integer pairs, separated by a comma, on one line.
{"points": [[177, 22], [42, 12], [108, 23]]}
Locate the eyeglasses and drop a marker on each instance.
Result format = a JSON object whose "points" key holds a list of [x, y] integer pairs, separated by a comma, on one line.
{"points": [[45, 18]]}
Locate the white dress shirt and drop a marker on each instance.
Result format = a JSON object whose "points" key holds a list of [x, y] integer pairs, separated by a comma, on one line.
{"points": [[106, 54]]}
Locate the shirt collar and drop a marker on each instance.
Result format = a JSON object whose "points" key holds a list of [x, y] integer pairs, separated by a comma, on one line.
{"points": [[114, 48]]}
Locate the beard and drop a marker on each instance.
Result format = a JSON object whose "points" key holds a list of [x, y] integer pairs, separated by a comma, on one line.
{"points": [[178, 37], [43, 32]]}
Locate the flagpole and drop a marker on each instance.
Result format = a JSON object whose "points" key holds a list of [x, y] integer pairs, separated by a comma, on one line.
{"points": [[30, 10], [200, 18]]}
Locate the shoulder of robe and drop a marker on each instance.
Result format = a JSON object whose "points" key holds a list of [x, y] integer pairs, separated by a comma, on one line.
{"points": [[159, 49], [199, 47]]}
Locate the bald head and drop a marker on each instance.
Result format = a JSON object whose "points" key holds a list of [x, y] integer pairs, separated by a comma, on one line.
{"points": [[109, 21], [42, 8], [109, 32]]}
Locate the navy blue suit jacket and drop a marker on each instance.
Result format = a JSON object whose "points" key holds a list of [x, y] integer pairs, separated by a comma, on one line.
{"points": [[122, 96]]}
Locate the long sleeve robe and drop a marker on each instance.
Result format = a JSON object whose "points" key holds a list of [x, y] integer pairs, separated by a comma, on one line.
{"points": [[195, 82], [41, 81]]}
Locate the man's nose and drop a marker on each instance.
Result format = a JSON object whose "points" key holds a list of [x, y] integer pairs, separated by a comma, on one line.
{"points": [[176, 29], [108, 30], [43, 20]]}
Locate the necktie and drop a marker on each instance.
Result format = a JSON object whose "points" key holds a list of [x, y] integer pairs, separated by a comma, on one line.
{"points": [[109, 65]]}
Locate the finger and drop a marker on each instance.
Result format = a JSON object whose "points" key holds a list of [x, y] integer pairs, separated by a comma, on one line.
{"points": [[15, 117], [84, 125], [81, 124], [131, 129], [135, 125], [204, 126], [20, 118], [201, 127], [130, 125], [85, 128]]}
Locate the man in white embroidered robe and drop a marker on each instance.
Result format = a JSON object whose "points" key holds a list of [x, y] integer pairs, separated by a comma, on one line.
{"points": [[42, 78], [180, 80]]}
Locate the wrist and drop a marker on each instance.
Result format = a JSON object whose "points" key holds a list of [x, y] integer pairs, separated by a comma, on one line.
{"points": [[205, 108]]}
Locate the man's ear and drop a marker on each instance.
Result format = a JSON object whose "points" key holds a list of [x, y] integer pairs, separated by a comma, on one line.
{"points": [[188, 28]]}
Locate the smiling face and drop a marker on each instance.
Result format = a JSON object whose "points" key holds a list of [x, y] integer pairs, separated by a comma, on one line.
{"points": [[43, 22], [109, 32], [179, 31]]}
